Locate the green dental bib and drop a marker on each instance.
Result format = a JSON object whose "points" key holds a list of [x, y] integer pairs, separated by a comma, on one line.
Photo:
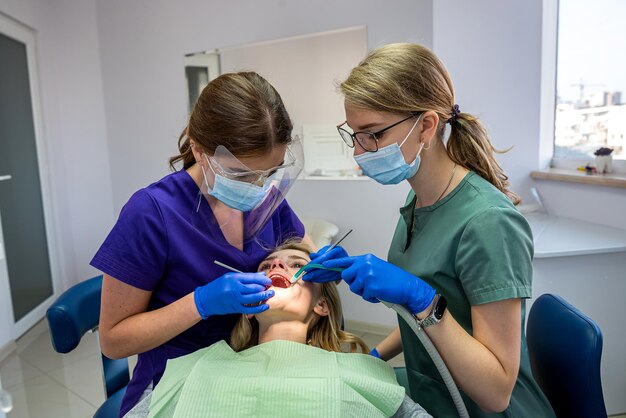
{"points": [[276, 379]]}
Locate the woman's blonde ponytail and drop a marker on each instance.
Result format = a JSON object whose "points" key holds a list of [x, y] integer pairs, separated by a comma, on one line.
{"points": [[470, 147]]}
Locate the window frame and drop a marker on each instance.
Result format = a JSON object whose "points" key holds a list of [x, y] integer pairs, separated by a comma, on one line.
{"points": [[549, 68]]}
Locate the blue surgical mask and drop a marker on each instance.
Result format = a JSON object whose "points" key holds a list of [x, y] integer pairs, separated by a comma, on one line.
{"points": [[387, 165], [239, 194]]}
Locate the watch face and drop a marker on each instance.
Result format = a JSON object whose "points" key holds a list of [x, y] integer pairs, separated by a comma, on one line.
{"points": [[440, 308]]}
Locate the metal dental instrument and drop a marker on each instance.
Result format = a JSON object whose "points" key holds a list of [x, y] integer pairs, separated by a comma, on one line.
{"points": [[339, 241], [226, 266], [300, 272]]}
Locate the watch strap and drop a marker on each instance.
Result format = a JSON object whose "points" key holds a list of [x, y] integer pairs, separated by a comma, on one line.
{"points": [[430, 319]]}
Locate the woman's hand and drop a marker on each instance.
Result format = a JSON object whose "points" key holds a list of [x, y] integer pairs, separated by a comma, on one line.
{"points": [[375, 280], [234, 293], [320, 275]]}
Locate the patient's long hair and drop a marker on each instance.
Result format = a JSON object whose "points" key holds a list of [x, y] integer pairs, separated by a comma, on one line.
{"points": [[324, 332]]}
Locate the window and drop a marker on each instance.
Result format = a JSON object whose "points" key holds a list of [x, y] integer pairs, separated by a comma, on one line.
{"points": [[590, 107]]}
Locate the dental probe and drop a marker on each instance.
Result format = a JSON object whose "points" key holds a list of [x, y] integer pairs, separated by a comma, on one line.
{"points": [[339, 241], [226, 266], [302, 269]]}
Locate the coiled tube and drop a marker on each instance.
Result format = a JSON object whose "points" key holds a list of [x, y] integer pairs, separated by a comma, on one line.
{"points": [[434, 355]]}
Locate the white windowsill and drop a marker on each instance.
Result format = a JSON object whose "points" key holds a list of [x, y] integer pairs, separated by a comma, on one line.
{"points": [[573, 176]]}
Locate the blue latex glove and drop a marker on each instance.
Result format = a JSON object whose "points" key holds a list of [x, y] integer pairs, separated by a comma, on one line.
{"points": [[230, 293], [375, 353], [323, 276], [375, 280]]}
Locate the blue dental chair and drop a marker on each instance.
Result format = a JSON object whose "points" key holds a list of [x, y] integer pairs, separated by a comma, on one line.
{"points": [[74, 313], [565, 348]]}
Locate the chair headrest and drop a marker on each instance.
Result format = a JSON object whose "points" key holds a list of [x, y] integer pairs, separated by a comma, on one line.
{"points": [[74, 313]]}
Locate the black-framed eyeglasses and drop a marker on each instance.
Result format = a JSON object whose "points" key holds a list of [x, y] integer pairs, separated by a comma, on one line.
{"points": [[367, 140]]}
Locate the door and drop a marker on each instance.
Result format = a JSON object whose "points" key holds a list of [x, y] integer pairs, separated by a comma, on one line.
{"points": [[26, 240]]}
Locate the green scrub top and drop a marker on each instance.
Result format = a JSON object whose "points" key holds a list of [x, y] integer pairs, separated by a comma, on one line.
{"points": [[474, 247]]}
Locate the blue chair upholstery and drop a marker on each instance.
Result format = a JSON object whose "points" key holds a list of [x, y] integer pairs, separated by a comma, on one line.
{"points": [[565, 348], [74, 313]]}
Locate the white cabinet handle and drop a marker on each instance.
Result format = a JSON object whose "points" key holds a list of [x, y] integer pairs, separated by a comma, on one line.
{"points": [[6, 177]]}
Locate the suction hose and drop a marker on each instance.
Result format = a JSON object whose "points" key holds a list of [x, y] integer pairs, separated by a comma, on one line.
{"points": [[434, 355]]}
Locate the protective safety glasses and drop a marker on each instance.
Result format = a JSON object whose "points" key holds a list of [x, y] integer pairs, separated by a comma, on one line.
{"points": [[225, 164]]}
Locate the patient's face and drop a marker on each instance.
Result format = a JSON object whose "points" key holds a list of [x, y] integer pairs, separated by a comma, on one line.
{"points": [[289, 302]]}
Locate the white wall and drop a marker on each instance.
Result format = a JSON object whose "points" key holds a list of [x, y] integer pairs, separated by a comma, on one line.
{"points": [[22, 11], [304, 70], [492, 50], [75, 128], [74, 125]]}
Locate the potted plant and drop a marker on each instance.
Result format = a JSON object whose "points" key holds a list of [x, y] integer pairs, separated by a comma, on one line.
{"points": [[604, 160]]}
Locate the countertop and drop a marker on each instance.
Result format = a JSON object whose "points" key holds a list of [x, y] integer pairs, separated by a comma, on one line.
{"points": [[562, 237]]}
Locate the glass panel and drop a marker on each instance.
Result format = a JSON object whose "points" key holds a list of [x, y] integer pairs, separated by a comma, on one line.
{"points": [[200, 68], [20, 198], [197, 79], [591, 108]]}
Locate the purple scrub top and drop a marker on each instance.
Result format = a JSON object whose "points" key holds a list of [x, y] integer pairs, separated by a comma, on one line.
{"points": [[165, 243]]}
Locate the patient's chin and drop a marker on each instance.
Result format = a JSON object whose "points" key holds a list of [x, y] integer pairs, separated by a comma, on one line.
{"points": [[285, 301], [280, 298]]}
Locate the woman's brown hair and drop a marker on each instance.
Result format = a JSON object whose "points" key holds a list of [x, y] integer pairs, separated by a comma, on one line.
{"points": [[409, 78], [240, 111], [325, 332]]}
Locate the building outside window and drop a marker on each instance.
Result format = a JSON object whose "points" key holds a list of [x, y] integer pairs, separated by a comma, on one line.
{"points": [[590, 79]]}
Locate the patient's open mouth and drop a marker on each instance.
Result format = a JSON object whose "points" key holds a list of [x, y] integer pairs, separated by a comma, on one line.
{"points": [[279, 280]]}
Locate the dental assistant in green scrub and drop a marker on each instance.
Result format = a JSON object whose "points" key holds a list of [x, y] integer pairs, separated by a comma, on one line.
{"points": [[460, 258]]}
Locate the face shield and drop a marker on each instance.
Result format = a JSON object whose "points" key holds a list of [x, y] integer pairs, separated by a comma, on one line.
{"points": [[241, 196]]}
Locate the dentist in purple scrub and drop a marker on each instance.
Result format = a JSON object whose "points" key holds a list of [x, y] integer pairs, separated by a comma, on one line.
{"points": [[162, 294]]}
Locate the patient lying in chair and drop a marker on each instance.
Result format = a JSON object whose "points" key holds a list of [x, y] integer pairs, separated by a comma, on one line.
{"points": [[287, 361]]}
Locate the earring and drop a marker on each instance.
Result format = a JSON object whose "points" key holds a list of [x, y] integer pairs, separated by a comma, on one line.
{"points": [[426, 147]]}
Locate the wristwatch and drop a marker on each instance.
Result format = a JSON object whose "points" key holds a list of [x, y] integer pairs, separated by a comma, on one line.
{"points": [[435, 314]]}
